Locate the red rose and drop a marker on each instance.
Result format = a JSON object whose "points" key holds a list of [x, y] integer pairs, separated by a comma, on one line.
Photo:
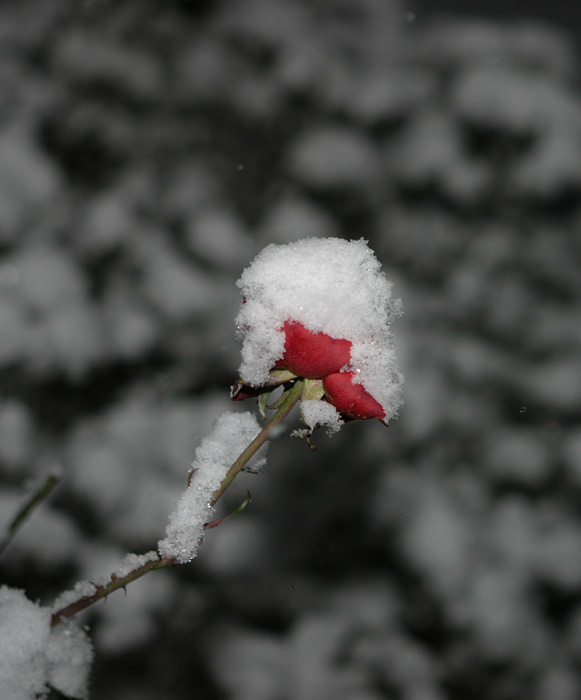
{"points": [[351, 399], [312, 355]]}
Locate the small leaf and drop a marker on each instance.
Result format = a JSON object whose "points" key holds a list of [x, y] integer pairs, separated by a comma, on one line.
{"points": [[281, 399], [262, 402], [219, 521]]}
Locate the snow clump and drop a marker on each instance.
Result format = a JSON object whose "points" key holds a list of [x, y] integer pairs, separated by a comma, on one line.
{"points": [[321, 413], [32, 656], [232, 433]]}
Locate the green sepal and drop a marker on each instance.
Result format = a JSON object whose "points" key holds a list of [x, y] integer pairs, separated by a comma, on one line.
{"points": [[313, 390], [263, 402], [280, 376], [281, 399]]}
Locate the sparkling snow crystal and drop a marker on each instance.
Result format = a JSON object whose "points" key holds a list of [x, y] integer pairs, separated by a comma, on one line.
{"points": [[232, 433], [329, 285]]}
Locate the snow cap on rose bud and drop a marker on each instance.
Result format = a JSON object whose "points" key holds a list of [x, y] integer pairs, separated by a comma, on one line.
{"points": [[321, 308]]}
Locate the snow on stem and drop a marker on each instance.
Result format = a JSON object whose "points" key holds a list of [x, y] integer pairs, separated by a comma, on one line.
{"points": [[102, 591], [154, 560], [292, 397]]}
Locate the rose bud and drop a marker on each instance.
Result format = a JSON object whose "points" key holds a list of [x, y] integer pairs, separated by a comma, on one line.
{"points": [[312, 355], [351, 399]]}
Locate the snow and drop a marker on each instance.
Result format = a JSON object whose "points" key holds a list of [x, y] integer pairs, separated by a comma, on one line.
{"points": [[204, 70], [498, 605], [572, 456], [128, 324], [554, 383], [24, 632], [128, 463], [127, 617], [84, 56], [49, 279], [356, 624], [439, 534], [333, 156], [557, 549], [510, 101], [135, 561], [329, 285], [292, 218], [213, 232], [28, 180], [81, 589], [525, 43], [457, 155], [177, 289], [430, 153], [255, 662], [232, 433], [69, 654], [390, 95], [519, 454], [497, 97], [560, 682], [32, 655], [552, 166], [191, 188], [234, 551], [321, 413], [105, 224], [47, 318], [16, 436]]}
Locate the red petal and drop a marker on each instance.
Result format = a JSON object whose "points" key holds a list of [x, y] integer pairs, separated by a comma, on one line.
{"points": [[349, 398], [313, 355]]}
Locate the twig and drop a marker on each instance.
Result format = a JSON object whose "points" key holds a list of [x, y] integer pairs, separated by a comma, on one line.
{"points": [[35, 499], [102, 591]]}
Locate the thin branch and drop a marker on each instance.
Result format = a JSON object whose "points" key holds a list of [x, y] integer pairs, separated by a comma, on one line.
{"points": [[117, 582], [35, 499], [102, 591]]}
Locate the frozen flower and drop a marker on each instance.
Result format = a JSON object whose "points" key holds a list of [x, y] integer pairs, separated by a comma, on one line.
{"points": [[320, 309]]}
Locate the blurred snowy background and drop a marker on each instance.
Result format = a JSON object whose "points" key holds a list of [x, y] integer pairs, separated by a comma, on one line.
{"points": [[148, 150]]}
